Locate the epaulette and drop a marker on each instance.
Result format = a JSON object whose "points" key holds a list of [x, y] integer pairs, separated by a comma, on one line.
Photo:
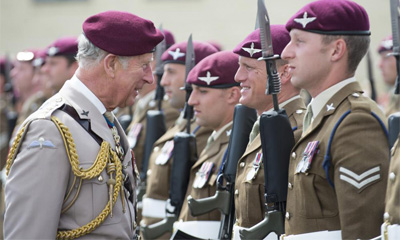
{"points": [[359, 103], [48, 107]]}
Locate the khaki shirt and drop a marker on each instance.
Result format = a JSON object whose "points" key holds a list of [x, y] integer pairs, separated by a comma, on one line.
{"points": [[358, 168], [249, 194], [214, 153], [41, 176], [392, 207]]}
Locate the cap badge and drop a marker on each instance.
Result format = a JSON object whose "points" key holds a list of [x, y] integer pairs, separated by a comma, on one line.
{"points": [[176, 54], [251, 50], [305, 20], [388, 44], [52, 51], [208, 79]]}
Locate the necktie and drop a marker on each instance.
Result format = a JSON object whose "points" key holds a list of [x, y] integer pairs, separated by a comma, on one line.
{"points": [[307, 118], [109, 116], [110, 121], [254, 131], [210, 140]]}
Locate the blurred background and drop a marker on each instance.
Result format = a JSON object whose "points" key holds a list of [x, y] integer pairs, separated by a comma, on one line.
{"points": [[29, 24]]}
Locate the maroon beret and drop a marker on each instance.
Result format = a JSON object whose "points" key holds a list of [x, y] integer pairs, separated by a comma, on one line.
{"points": [[251, 46], [177, 52], [122, 33], [40, 58], [338, 17], [169, 38], [27, 55], [63, 46], [215, 71], [386, 44]]}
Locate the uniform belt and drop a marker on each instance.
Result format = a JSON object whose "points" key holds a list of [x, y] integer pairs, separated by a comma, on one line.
{"points": [[390, 232], [325, 235], [154, 208], [236, 234], [199, 229]]}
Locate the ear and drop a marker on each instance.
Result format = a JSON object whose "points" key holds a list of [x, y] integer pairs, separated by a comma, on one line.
{"points": [[284, 74], [233, 95], [110, 62], [339, 49]]}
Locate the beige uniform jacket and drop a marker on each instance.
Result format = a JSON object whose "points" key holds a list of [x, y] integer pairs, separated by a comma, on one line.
{"points": [[214, 153], [158, 176], [392, 208], [137, 139], [249, 194], [358, 168], [4, 131], [41, 176]]}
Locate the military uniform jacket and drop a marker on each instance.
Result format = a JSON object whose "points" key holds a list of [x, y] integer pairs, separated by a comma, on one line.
{"points": [[138, 139], [249, 194], [392, 209], [41, 176], [158, 175], [358, 169], [214, 154]]}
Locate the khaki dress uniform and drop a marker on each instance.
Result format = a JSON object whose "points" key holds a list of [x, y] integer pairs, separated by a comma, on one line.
{"points": [[358, 169], [136, 131], [249, 194], [213, 153], [394, 104], [3, 130], [158, 175], [40, 187]]}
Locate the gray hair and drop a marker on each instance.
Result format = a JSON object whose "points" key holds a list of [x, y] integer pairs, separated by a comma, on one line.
{"points": [[89, 55]]}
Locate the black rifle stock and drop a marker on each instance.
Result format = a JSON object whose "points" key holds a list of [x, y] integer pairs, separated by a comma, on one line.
{"points": [[394, 128], [277, 140], [243, 120], [371, 76]]}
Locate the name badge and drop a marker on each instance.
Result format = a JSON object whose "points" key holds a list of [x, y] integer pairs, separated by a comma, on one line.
{"points": [[256, 166], [203, 175], [308, 155], [166, 153], [134, 134]]}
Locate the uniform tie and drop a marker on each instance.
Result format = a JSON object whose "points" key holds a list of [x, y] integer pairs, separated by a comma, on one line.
{"points": [[307, 118], [254, 131], [109, 116]]}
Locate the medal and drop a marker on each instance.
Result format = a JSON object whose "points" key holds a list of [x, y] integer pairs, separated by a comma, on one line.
{"points": [[134, 134], [166, 153], [256, 166], [308, 155], [203, 175]]}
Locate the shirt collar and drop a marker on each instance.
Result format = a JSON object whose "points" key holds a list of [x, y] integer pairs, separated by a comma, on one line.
{"points": [[215, 134], [80, 87]]}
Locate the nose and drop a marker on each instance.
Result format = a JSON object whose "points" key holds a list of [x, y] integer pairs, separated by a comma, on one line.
{"points": [[287, 53], [165, 80], [193, 98], [45, 68], [240, 75], [148, 76]]}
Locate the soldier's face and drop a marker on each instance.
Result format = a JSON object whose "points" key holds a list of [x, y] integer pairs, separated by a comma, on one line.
{"points": [[131, 79], [59, 71], [209, 105], [173, 79], [387, 65], [309, 60], [22, 75], [252, 76]]}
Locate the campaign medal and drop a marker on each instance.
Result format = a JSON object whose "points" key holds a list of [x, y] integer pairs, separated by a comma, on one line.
{"points": [[308, 155], [203, 175], [256, 166], [134, 134], [166, 153]]}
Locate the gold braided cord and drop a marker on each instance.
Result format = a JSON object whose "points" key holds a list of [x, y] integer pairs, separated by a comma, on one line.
{"points": [[13, 150]]}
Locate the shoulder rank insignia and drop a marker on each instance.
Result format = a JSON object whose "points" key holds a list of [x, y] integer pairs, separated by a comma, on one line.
{"points": [[41, 143], [360, 180]]}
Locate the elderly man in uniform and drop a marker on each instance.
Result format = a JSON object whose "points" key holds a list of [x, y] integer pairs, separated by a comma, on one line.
{"points": [[215, 94], [252, 76], [337, 175], [160, 162], [387, 65], [70, 171]]}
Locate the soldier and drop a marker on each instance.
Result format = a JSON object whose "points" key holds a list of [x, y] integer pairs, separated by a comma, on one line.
{"points": [[158, 174], [215, 94], [387, 65], [71, 173], [337, 175], [252, 76]]}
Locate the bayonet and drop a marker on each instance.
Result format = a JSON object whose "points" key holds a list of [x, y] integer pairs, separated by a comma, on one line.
{"points": [[395, 16], [160, 49], [189, 64], [273, 83]]}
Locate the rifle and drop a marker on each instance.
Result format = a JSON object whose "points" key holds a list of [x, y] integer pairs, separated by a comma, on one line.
{"points": [[156, 126], [371, 76], [184, 155], [394, 119], [223, 200], [277, 140]]}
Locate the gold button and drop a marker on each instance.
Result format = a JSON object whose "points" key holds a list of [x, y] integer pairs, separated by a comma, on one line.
{"points": [[100, 178], [392, 176], [293, 155], [386, 216], [290, 186], [242, 164], [236, 192], [287, 215]]}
